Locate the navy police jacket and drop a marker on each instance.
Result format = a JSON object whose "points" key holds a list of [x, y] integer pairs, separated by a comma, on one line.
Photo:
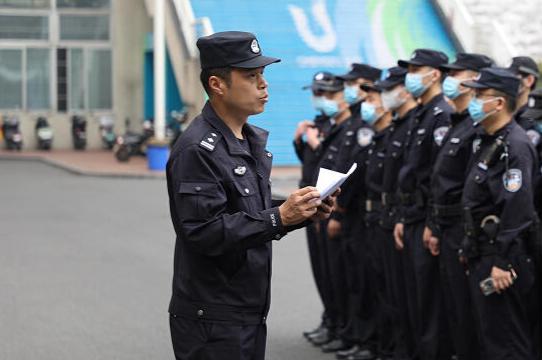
{"points": [[224, 219]]}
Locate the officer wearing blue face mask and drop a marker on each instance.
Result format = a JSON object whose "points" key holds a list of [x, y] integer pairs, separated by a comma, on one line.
{"points": [[307, 143], [358, 75], [447, 183], [428, 130], [499, 215]]}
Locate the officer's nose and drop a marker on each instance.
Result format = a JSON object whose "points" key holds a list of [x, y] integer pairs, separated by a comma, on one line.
{"points": [[263, 83]]}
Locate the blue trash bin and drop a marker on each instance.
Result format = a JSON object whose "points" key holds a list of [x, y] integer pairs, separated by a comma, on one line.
{"points": [[157, 156]]}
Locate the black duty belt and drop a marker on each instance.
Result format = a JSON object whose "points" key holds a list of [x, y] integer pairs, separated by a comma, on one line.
{"points": [[373, 205], [389, 199], [446, 211]]}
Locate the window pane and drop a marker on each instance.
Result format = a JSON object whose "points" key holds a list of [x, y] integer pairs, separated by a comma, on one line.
{"points": [[75, 27], [24, 27], [11, 83], [99, 79], [37, 79], [76, 95], [36, 4], [93, 4]]}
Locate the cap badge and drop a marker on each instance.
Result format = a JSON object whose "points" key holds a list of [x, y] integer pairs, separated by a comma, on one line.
{"points": [[532, 102], [319, 76], [414, 54], [254, 47]]}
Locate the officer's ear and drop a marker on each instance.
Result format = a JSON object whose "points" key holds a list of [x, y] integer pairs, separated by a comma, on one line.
{"points": [[528, 81], [217, 85]]}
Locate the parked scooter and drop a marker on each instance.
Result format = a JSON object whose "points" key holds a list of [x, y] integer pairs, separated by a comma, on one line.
{"points": [[13, 137], [106, 131], [79, 132], [44, 134], [132, 143]]}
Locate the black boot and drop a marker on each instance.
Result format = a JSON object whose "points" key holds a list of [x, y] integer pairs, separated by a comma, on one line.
{"points": [[335, 345], [364, 354], [313, 332]]}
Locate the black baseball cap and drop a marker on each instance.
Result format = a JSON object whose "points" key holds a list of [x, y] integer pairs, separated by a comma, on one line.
{"points": [[534, 105], [395, 76], [425, 57], [497, 78], [368, 87], [364, 71], [469, 61], [524, 65], [325, 81], [235, 49]]}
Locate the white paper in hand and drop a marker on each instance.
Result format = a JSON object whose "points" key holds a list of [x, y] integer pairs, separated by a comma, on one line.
{"points": [[329, 181]]}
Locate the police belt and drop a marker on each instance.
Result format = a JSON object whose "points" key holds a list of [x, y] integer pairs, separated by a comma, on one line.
{"points": [[389, 199], [217, 312], [415, 198], [447, 211], [373, 205]]}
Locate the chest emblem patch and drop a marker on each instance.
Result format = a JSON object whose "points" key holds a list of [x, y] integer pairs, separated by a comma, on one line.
{"points": [[365, 136]]}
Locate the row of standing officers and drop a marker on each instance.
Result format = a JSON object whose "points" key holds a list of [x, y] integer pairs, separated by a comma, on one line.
{"points": [[433, 251]]}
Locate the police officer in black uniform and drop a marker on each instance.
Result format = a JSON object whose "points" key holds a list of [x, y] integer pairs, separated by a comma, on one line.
{"points": [[307, 140], [499, 212], [427, 133], [447, 183], [396, 98], [222, 212]]}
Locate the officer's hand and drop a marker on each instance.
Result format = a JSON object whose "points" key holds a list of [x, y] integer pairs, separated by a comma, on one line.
{"points": [[302, 127], [427, 233], [327, 207], [434, 246], [312, 137], [333, 228], [502, 279], [398, 233], [300, 206]]}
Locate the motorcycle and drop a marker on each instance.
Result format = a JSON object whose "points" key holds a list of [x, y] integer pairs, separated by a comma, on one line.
{"points": [[79, 132], [13, 137], [44, 134], [132, 143], [106, 132]]}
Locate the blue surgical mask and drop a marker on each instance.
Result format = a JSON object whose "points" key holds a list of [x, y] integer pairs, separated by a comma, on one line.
{"points": [[351, 94], [329, 107], [476, 110], [368, 112], [317, 103], [414, 84], [538, 125], [450, 87]]}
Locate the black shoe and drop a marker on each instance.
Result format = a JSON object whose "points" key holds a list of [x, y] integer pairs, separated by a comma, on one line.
{"points": [[317, 334], [324, 338], [335, 345], [344, 354], [312, 332], [364, 354]]}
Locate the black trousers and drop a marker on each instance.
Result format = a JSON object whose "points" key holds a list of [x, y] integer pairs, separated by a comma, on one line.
{"points": [[424, 297], [457, 302], [316, 250], [503, 320], [198, 340], [329, 298]]}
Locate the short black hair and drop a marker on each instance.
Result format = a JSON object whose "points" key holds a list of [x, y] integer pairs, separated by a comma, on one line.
{"points": [[511, 101], [223, 72]]}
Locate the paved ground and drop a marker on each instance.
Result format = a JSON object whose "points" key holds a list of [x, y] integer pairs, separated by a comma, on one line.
{"points": [[85, 269]]}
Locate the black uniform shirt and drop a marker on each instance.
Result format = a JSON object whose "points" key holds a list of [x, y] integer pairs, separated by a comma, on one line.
{"points": [[376, 156], [451, 165], [508, 194], [427, 133], [224, 219]]}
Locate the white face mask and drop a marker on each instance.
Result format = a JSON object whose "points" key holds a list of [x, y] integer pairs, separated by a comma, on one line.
{"points": [[391, 100]]}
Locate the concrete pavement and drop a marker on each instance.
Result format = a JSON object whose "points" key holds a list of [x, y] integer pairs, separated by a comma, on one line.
{"points": [[86, 265]]}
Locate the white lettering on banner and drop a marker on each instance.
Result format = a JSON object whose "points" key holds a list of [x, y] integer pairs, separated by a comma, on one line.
{"points": [[324, 43]]}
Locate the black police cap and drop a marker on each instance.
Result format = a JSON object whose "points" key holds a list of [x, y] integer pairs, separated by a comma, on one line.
{"points": [[235, 49], [325, 81], [524, 65], [469, 61], [364, 71], [496, 78], [395, 76], [534, 105], [425, 57]]}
